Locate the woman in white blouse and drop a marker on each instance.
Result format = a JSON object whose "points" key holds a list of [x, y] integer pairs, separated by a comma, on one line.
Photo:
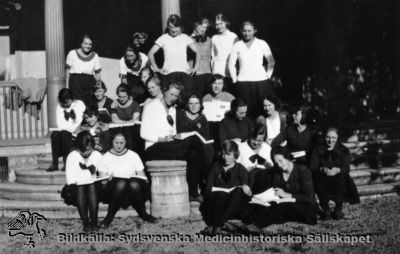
{"points": [[252, 80], [129, 185], [83, 70], [222, 44], [81, 169], [174, 44]]}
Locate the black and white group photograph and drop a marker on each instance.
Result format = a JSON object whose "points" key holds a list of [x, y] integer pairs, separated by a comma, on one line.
{"points": [[199, 126]]}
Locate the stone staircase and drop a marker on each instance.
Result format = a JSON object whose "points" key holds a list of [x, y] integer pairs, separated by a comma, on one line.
{"points": [[375, 169]]}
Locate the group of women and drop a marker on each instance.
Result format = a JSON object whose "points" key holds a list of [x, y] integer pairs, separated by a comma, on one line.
{"points": [[254, 146]]}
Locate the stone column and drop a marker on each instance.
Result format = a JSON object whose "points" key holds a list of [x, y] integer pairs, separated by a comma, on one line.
{"points": [[169, 7], [55, 55], [169, 189]]}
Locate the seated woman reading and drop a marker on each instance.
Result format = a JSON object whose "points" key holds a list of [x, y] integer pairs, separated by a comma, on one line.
{"points": [[129, 185], [294, 184], [226, 191], [81, 169]]}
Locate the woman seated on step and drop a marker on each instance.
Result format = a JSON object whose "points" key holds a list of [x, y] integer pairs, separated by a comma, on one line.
{"points": [[101, 100], [81, 169], [255, 156], [96, 128], [330, 165], [224, 203], [69, 115], [293, 182], [153, 86], [128, 185]]}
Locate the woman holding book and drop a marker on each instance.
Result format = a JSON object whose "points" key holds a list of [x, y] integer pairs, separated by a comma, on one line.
{"points": [[128, 185], [255, 156], [227, 190], [300, 136], [294, 187], [83, 70], [96, 128], [81, 169], [126, 111], [330, 165], [102, 102]]}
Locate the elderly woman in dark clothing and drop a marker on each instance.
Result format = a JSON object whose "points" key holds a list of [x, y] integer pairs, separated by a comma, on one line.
{"points": [[330, 165], [291, 181], [219, 206], [236, 126], [299, 136]]}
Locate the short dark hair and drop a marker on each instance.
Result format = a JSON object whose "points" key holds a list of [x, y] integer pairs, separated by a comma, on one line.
{"points": [[84, 141], [249, 22], [154, 79], [274, 100], [259, 129], [132, 49], [118, 132], [151, 72], [88, 36], [197, 96], [222, 17], [100, 85], [332, 128], [124, 88], [229, 146], [237, 103], [64, 95], [174, 84], [285, 152], [175, 20], [92, 110], [305, 115]]}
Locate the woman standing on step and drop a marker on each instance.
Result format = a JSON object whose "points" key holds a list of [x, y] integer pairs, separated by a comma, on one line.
{"points": [[129, 185], [330, 164], [83, 70], [81, 169]]}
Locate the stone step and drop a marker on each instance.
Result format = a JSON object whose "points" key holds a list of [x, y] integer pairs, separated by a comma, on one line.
{"points": [[30, 192], [377, 190], [375, 176], [45, 160], [58, 209], [40, 176], [374, 161]]}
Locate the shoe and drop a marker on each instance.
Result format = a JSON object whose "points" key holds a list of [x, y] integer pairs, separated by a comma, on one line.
{"points": [[95, 227], [149, 218], [104, 224], [63, 169], [87, 228], [52, 168], [208, 231], [337, 214]]}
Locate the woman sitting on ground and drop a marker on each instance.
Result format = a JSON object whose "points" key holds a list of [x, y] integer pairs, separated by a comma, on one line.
{"points": [[255, 156], [330, 164], [129, 185], [274, 120], [96, 128], [293, 183], [220, 206], [81, 168]]}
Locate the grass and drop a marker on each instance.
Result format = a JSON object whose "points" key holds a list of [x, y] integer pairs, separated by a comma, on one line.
{"points": [[379, 218]]}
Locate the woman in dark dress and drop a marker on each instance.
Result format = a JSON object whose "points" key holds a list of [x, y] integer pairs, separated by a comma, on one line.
{"points": [[219, 206], [330, 165], [292, 182], [300, 136], [102, 101]]}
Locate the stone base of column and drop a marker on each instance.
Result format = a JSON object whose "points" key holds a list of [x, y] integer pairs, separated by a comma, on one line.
{"points": [[169, 189]]}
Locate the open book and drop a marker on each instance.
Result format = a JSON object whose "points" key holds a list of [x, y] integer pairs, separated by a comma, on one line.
{"points": [[267, 197], [299, 154], [227, 190], [104, 115], [102, 178], [215, 111], [183, 135], [119, 125]]}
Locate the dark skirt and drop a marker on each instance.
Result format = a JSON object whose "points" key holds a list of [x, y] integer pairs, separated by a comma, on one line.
{"points": [[106, 191], [81, 86], [253, 93], [202, 83], [69, 193]]}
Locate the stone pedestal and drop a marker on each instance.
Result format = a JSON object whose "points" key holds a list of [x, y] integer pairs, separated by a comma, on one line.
{"points": [[169, 189]]}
